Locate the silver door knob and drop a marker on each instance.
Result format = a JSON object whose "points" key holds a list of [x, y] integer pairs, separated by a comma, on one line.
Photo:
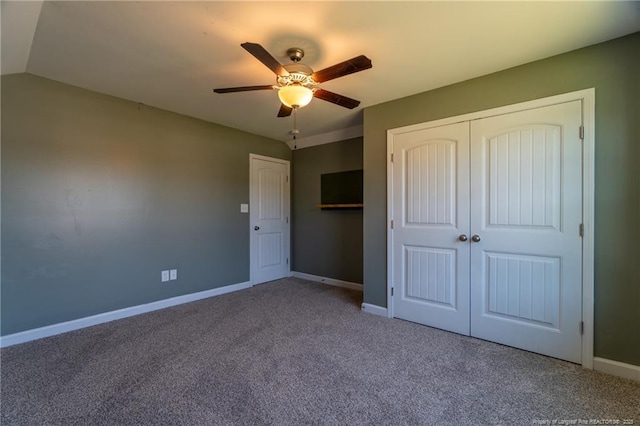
{"points": [[462, 237], [475, 238], [255, 228]]}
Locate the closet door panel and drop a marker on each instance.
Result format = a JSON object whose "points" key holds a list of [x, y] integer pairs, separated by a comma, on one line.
{"points": [[526, 209], [430, 196]]}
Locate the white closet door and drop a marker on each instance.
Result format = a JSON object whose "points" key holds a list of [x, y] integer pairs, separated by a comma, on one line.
{"points": [[526, 208], [431, 210]]}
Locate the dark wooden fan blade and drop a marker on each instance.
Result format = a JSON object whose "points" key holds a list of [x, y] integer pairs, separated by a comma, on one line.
{"points": [[285, 111], [265, 57], [328, 96], [243, 89], [359, 63]]}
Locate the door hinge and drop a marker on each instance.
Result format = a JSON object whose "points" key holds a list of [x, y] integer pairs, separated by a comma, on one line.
{"points": [[391, 223], [581, 328], [391, 291], [287, 260], [287, 178], [287, 219], [392, 157], [581, 229], [581, 132]]}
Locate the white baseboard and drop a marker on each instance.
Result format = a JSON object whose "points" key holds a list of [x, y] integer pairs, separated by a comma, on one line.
{"points": [[63, 327], [325, 280], [621, 369], [374, 309]]}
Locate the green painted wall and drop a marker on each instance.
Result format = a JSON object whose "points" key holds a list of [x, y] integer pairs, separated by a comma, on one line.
{"points": [[327, 243], [613, 68], [100, 194]]}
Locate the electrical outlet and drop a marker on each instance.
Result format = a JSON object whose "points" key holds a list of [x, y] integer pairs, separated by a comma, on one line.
{"points": [[165, 276], [244, 208], [173, 274]]}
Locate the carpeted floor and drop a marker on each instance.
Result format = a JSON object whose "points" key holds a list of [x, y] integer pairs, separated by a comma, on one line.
{"points": [[294, 352]]}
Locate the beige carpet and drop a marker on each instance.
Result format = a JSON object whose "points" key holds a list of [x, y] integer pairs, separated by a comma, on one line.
{"points": [[293, 352]]}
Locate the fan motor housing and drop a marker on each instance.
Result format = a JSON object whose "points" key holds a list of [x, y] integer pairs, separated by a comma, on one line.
{"points": [[298, 68]]}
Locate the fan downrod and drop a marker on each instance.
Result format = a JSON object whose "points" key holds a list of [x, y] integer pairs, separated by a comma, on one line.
{"points": [[295, 54]]}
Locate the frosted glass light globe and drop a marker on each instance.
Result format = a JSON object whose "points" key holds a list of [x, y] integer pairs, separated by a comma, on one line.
{"points": [[295, 95]]}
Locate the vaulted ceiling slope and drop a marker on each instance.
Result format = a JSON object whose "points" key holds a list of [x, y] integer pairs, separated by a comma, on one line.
{"points": [[171, 55]]}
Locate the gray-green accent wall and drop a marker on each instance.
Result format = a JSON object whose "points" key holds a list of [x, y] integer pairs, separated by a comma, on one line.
{"points": [[100, 194], [613, 68], [326, 243]]}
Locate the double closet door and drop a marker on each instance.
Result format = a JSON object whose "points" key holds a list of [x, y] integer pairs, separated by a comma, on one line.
{"points": [[486, 236]]}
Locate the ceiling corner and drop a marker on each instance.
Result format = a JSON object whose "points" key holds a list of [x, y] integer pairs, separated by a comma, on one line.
{"points": [[19, 20], [329, 137]]}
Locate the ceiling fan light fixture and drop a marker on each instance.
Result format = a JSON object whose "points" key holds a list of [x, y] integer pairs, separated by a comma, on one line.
{"points": [[297, 83], [295, 95]]}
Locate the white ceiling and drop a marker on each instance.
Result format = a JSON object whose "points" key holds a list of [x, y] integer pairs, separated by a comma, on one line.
{"points": [[171, 54]]}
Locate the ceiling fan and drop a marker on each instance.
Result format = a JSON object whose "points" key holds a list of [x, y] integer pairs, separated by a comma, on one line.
{"points": [[297, 84]]}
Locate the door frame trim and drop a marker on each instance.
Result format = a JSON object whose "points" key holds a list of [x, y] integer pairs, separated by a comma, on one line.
{"points": [[587, 97], [252, 239]]}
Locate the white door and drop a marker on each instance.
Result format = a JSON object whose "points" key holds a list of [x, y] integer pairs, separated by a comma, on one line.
{"points": [[511, 185], [431, 212], [269, 218], [526, 204]]}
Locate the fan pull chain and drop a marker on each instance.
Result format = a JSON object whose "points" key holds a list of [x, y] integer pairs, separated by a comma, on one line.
{"points": [[295, 121], [295, 130]]}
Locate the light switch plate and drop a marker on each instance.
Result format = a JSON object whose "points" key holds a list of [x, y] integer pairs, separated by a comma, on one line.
{"points": [[244, 208], [173, 274], [165, 276]]}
